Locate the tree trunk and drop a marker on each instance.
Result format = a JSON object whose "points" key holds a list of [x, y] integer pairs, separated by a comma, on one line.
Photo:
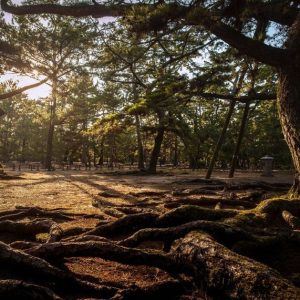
{"points": [[157, 144], [23, 150], [239, 141], [48, 163], [236, 88], [289, 114], [101, 154], [220, 140], [156, 150], [139, 143], [49, 152], [85, 147], [175, 157], [193, 161], [227, 275]]}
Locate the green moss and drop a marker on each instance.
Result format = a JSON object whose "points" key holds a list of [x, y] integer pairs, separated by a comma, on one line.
{"points": [[189, 213], [277, 205], [42, 237]]}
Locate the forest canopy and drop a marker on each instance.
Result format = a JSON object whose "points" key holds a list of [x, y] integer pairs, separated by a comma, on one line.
{"points": [[160, 88], [105, 174]]}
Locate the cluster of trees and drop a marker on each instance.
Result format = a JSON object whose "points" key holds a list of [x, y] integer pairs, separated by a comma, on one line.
{"points": [[180, 93]]}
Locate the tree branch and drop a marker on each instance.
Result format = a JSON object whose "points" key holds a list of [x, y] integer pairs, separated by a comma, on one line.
{"points": [[195, 16], [243, 99], [79, 10], [277, 11], [21, 90], [8, 49], [246, 45]]}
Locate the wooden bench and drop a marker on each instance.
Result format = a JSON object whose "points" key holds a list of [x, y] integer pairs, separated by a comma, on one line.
{"points": [[77, 165], [34, 166], [65, 166], [16, 165]]}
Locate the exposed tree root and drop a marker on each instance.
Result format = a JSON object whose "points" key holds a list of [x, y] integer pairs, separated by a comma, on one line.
{"points": [[163, 290], [22, 260], [198, 263], [148, 193], [4, 176], [23, 245], [35, 212], [84, 238], [281, 187], [113, 212], [221, 231], [26, 228], [44, 273], [18, 289], [276, 206], [200, 181], [131, 210], [225, 274], [105, 250], [55, 234], [57, 213], [127, 224], [188, 213], [74, 231], [291, 220], [209, 201]]}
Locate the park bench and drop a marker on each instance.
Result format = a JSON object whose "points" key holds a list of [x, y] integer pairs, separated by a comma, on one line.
{"points": [[65, 166], [34, 165], [16, 165], [77, 165]]}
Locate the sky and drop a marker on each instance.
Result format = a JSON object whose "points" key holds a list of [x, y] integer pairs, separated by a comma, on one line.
{"points": [[42, 90], [38, 92]]}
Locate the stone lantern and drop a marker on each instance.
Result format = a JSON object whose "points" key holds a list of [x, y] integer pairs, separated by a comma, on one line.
{"points": [[267, 162]]}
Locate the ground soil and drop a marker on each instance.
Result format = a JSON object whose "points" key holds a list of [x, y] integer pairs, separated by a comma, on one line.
{"points": [[76, 191]]}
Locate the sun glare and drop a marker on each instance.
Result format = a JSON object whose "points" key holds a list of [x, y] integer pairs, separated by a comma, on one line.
{"points": [[38, 92]]}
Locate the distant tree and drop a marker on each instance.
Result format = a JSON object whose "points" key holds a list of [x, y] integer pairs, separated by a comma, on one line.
{"points": [[233, 22], [55, 47]]}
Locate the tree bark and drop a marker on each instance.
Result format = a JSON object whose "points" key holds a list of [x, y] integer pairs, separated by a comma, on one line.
{"points": [[141, 165], [227, 275], [101, 154], [175, 157], [85, 147], [236, 88], [51, 129], [289, 114], [220, 140], [239, 141], [156, 150], [157, 145], [49, 153]]}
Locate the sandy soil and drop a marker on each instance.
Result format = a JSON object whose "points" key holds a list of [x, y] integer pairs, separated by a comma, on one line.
{"points": [[75, 190]]}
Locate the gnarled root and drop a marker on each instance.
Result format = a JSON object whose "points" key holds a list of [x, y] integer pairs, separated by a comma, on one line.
{"points": [[225, 274], [291, 220], [105, 250], [127, 224], [219, 230], [19, 289], [197, 262], [189, 213]]}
